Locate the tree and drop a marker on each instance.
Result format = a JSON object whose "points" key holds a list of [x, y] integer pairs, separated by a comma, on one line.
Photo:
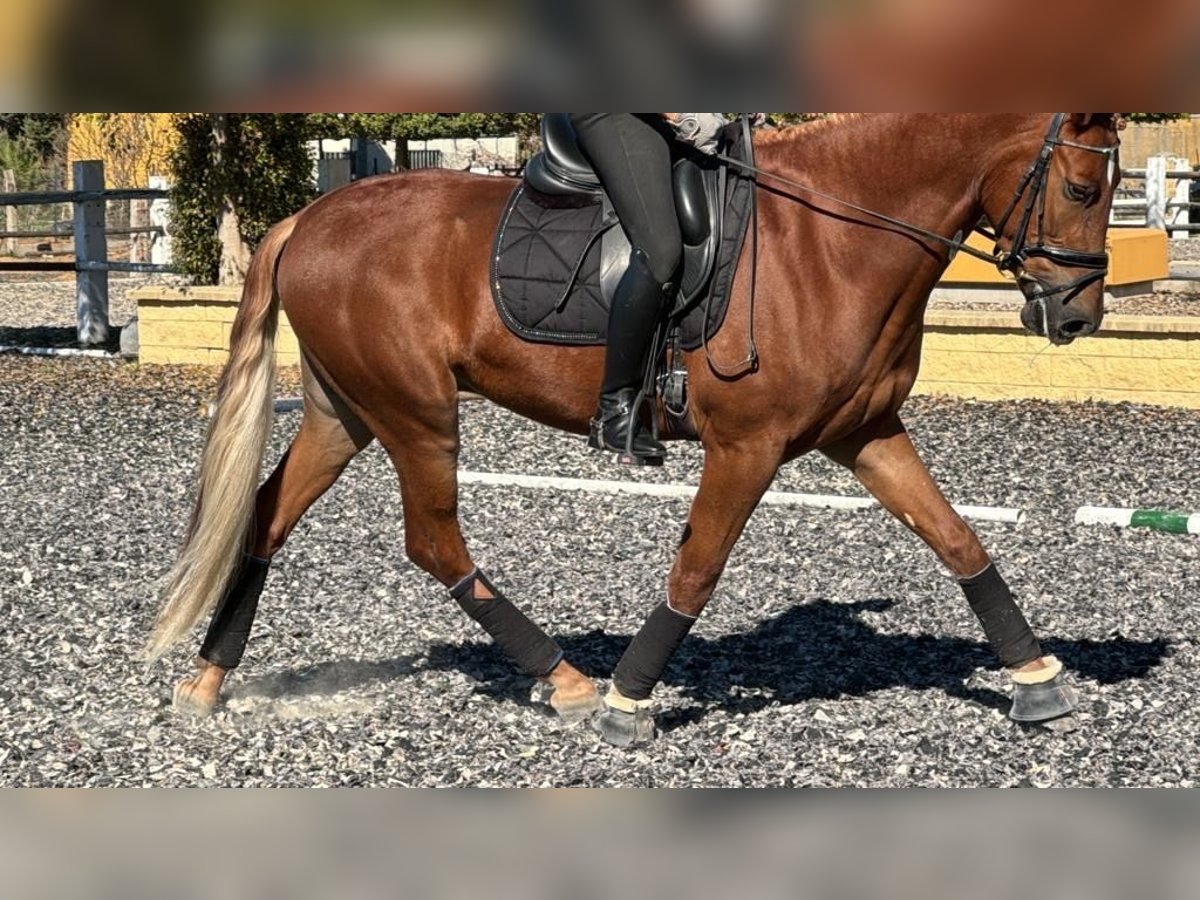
{"points": [[42, 133], [235, 175], [133, 146]]}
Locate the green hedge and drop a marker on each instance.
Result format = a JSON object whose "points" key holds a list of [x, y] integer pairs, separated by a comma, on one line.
{"points": [[266, 172]]}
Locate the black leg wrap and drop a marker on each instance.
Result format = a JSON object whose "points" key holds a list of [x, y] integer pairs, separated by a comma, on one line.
{"points": [[644, 661], [229, 629], [1007, 631], [530, 649]]}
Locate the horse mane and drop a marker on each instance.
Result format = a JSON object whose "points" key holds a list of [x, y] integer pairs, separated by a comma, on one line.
{"points": [[780, 135]]}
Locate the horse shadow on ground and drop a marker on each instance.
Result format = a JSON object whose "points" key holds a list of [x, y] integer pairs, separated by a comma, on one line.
{"points": [[54, 336], [819, 650]]}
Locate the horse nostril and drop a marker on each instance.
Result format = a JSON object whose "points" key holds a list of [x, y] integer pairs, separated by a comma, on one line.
{"points": [[1077, 328]]}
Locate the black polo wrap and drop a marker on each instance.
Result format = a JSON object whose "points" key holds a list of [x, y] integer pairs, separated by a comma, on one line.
{"points": [[644, 661], [229, 630], [1008, 633], [530, 649]]}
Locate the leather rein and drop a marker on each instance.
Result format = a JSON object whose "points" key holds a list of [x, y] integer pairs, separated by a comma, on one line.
{"points": [[1031, 188]]}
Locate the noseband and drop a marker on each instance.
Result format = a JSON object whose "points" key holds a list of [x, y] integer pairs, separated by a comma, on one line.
{"points": [[1033, 189]]}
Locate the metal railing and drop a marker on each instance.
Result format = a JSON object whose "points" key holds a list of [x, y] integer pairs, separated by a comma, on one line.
{"points": [[1163, 195], [91, 264]]}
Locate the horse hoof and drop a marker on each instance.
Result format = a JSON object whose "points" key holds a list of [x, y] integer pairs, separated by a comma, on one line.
{"points": [[570, 710], [186, 700], [1043, 703], [625, 729], [576, 709]]}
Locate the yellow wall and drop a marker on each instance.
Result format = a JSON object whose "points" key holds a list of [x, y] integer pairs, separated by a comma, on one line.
{"points": [[192, 325], [982, 355], [1137, 255], [986, 356], [1141, 140], [133, 146]]}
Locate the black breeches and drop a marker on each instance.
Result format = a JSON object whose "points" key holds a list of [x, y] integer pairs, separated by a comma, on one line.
{"points": [[631, 153]]}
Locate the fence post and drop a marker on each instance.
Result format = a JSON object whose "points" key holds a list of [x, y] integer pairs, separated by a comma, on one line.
{"points": [[1156, 192], [1180, 195], [139, 244], [160, 218], [91, 285], [9, 186]]}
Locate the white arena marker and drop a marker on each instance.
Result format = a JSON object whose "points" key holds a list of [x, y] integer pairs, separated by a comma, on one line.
{"points": [[687, 491], [1102, 515]]}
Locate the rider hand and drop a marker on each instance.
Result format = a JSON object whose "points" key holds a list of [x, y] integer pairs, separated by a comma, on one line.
{"points": [[700, 129]]}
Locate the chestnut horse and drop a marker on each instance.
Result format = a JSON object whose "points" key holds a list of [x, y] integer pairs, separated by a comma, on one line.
{"points": [[385, 283]]}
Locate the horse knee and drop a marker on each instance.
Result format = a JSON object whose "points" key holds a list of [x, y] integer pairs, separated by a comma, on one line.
{"points": [[421, 553]]}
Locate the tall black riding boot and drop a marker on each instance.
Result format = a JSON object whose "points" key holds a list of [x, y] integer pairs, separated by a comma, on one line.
{"points": [[637, 305]]}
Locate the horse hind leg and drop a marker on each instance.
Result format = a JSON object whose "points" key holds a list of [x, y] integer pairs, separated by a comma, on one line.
{"points": [[424, 450], [330, 435]]}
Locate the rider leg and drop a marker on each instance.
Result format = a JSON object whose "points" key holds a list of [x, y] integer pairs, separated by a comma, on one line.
{"points": [[633, 159]]}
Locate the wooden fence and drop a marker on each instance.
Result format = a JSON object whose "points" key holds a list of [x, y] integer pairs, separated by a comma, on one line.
{"points": [[1164, 195], [91, 264]]}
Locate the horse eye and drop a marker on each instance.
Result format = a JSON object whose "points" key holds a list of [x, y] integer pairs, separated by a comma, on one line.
{"points": [[1079, 193]]}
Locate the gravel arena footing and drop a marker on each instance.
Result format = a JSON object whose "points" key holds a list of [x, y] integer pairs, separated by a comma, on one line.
{"points": [[836, 651]]}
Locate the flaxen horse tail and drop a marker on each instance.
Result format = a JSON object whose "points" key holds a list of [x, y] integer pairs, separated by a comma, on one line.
{"points": [[233, 453]]}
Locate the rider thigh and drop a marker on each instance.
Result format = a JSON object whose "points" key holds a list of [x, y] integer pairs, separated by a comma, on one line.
{"points": [[632, 156]]}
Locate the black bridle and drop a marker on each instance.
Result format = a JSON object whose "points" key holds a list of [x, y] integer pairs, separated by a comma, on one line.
{"points": [[1032, 188]]}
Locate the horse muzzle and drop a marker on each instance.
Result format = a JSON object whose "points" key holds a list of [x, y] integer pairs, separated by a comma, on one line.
{"points": [[1061, 323]]}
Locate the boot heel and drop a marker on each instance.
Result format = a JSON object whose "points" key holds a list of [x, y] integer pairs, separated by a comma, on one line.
{"points": [[596, 442]]}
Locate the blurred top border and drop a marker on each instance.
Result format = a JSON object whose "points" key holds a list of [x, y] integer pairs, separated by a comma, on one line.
{"points": [[365, 56]]}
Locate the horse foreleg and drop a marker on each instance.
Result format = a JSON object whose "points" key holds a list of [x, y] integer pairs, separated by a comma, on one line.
{"points": [[731, 485], [884, 460], [329, 437]]}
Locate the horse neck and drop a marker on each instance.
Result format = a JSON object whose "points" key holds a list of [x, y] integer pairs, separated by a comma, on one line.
{"points": [[926, 170]]}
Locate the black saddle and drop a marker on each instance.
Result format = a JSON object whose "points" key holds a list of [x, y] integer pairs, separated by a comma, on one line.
{"points": [[559, 252], [561, 170]]}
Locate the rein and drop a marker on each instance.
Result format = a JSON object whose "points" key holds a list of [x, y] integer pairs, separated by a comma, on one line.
{"points": [[1014, 260]]}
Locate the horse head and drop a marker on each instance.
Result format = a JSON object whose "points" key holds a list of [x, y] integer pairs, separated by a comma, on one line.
{"points": [[1050, 233]]}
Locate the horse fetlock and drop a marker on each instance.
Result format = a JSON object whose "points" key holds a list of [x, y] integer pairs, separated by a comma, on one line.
{"points": [[523, 642], [571, 702], [199, 694]]}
